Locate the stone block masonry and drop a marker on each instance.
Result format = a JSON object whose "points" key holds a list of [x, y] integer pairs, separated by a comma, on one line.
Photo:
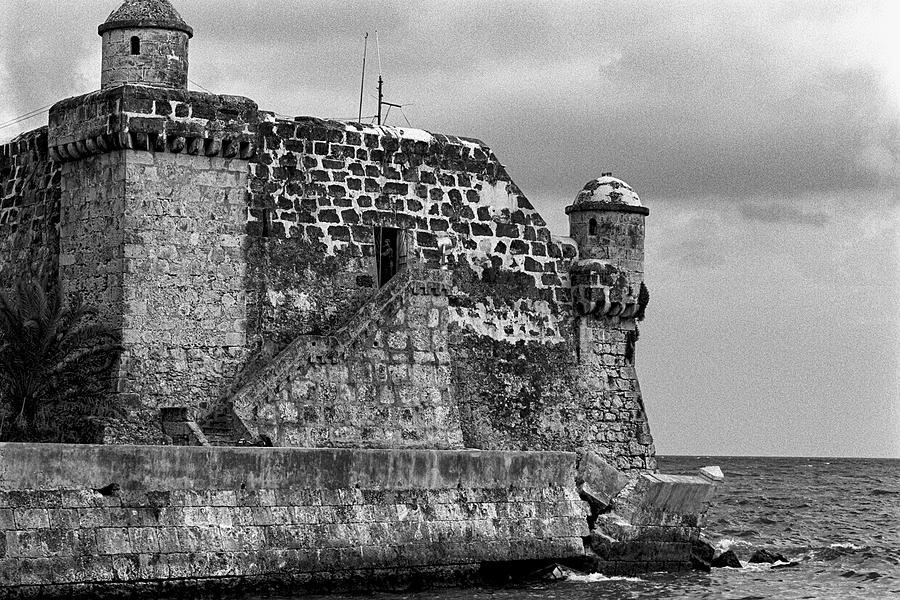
{"points": [[29, 209], [318, 189], [152, 226], [382, 380], [289, 517], [163, 58], [215, 236]]}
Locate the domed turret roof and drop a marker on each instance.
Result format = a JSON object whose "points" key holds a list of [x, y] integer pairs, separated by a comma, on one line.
{"points": [[607, 193], [158, 14]]}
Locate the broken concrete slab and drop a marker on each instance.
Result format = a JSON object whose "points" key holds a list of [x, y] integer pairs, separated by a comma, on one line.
{"points": [[598, 481], [713, 474]]}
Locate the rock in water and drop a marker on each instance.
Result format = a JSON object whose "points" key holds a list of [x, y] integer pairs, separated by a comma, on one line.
{"points": [[702, 554], [727, 559], [764, 556]]}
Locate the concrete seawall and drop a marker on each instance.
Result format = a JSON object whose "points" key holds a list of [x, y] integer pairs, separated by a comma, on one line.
{"points": [[89, 521]]}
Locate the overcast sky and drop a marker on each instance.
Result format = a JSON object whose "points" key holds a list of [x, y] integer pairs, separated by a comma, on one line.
{"points": [[764, 138]]}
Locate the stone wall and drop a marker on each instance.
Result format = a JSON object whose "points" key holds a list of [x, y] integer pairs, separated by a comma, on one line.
{"points": [[185, 316], [547, 396], [92, 207], [319, 187], [29, 210], [153, 215], [89, 521], [162, 58], [382, 380], [155, 242], [552, 380]]}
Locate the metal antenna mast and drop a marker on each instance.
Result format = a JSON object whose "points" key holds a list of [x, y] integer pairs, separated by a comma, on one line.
{"points": [[380, 80], [381, 100], [363, 82]]}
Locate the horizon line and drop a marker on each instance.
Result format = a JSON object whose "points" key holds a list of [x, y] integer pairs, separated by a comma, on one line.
{"points": [[702, 455]]}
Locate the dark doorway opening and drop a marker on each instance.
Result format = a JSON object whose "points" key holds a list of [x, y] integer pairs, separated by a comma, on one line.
{"points": [[390, 252], [135, 45]]}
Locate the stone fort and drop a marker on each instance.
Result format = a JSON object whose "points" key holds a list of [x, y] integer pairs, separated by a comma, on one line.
{"points": [[319, 284], [324, 283]]}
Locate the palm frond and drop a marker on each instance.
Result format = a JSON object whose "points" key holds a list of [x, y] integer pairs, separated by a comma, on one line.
{"points": [[55, 362]]}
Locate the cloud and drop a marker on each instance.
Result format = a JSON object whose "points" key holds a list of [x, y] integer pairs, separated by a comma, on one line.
{"points": [[779, 213], [44, 51], [691, 239], [682, 100]]}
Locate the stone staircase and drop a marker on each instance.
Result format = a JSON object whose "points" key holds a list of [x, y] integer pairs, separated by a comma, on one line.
{"points": [[223, 426], [218, 428]]}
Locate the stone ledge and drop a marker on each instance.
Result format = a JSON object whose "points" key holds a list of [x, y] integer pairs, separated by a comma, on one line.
{"points": [[63, 466], [155, 120], [130, 140], [595, 206]]}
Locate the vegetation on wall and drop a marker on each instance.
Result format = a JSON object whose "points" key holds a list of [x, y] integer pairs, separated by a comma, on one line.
{"points": [[643, 301], [55, 364]]}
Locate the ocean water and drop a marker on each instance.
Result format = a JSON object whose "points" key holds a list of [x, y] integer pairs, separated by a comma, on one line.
{"points": [[836, 520]]}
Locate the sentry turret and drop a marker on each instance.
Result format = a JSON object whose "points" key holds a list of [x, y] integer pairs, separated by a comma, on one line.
{"points": [[145, 42], [607, 222]]}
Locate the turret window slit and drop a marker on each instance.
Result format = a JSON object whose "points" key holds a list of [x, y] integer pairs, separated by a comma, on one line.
{"points": [[135, 45]]}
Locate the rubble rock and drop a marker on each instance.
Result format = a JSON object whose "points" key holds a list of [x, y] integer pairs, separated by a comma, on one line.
{"points": [[702, 554], [727, 559], [764, 556]]}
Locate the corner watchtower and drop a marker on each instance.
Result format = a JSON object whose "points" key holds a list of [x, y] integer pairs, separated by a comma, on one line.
{"points": [[607, 222], [145, 42]]}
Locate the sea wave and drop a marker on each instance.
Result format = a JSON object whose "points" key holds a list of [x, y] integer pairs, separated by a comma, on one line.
{"points": [[847, 545], [597, 577], [727, 543]]}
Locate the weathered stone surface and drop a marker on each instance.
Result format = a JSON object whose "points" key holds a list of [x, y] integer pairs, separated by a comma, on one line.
{"points": [[195, 513], [667, 499], [29, 210], [162, 58], [598, 480], [383, 379]]}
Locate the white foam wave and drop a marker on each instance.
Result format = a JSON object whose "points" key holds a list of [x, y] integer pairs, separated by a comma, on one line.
{"points": [[727, 543], [847, 545], [597, 577], [755, 567]]}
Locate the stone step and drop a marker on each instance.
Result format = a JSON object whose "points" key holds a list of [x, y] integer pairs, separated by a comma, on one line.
{"points": [[220, 440]]}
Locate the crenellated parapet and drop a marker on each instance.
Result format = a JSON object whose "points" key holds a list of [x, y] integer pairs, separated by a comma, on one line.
{"points": [[600, 289], [133, 117]]}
